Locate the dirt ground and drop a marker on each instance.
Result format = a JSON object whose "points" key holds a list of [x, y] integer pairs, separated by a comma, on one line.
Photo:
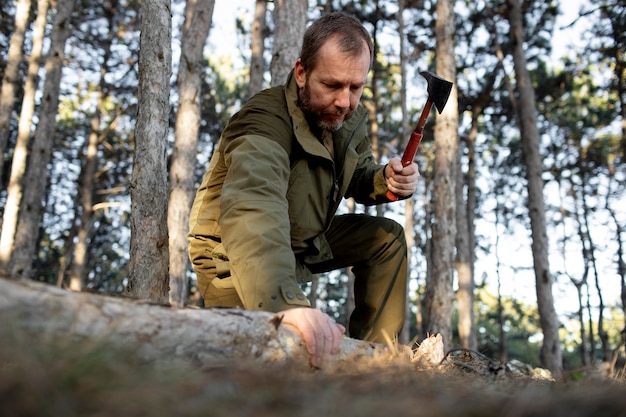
{"points": [[90, 380]]}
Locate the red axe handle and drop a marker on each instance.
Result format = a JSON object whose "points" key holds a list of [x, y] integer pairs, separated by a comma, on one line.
{"points": [[414, 142]]}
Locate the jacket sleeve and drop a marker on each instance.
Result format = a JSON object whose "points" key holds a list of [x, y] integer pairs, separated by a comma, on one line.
{"points": [[368, 185], [255, 224]]}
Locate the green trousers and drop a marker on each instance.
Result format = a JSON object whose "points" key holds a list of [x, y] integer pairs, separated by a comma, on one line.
{"points": [[375, 248]]}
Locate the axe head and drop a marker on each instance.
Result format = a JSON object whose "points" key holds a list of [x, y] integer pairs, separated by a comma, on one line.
{"points": [[438, 89]]}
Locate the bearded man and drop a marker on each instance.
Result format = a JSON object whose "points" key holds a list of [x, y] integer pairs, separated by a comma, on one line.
{"points": [[264, 218]]}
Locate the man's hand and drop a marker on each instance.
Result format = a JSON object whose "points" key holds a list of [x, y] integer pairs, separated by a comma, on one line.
{"points": [[321, 334], [401, 180]]}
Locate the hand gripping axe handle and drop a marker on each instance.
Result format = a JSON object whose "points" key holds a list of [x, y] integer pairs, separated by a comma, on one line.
{"points": [[438, 93]]}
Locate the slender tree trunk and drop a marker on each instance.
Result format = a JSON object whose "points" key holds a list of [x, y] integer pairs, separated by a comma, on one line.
{"points": [[198, 18], [372, 105], [602, 334], [409, 224], [579, 284], [289, 25], [551, 350], [621, 263], [65, 260], [350, 298], [584, 352], [148, 266], [257, 46], [421, 316], [31, 206], [502, 346], [465, 239], [315, 281], [90, 165], [439, 287], [409, 204], [10, 79], [464, 260], [18, 164]]}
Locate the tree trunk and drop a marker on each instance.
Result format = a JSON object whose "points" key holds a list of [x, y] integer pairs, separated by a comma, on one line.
{"points": [[579, 282], [18, 163], [439, 286], [148, 266], [551, 349], [373, 105], [163, 336], [90, 164], [198, 18], [27, 232], [257, 61], [409, 204], [466, 237], [584, 352], [591, 254], [464, 262], [619, 256], [409, 235], [10, 79], [350, 303], [289, 25]]}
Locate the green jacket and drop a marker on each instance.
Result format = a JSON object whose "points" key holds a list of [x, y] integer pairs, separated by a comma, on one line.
{"points": [[270, 192]]}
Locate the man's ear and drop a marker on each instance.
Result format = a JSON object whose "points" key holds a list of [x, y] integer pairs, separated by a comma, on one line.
{"points": [[299, 73]]}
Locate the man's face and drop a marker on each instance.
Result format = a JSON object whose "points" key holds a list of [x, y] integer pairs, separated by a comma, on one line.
{"points": [[330, 92]]}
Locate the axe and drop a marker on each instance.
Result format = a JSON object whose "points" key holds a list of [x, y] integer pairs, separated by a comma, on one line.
{"points": [[438, 93]]}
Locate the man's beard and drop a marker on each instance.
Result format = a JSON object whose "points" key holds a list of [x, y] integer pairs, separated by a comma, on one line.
{"points": [[314, 114]]}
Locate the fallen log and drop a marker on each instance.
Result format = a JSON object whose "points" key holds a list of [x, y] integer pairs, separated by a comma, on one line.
{"points": [[165, 336]]}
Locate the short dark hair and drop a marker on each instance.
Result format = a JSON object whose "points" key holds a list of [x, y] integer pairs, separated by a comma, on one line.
{"points": [[351, 34]]}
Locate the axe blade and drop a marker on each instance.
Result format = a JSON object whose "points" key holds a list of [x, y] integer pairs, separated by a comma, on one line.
{"points": [[438, 89]]}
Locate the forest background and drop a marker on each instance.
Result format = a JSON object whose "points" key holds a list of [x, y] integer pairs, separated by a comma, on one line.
{"points": [[71, 156]]}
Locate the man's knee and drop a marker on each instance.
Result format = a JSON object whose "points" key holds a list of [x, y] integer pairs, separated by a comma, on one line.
{"points": [[392, 240]]}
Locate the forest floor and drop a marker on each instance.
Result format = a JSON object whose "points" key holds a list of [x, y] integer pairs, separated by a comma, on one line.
{"points": [[92, 380]]}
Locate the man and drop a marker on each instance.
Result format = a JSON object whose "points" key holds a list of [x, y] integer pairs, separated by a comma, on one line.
{"points": [[263, 220]]}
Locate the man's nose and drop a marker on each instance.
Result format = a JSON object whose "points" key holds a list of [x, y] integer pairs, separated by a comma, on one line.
{"points": [[342, 98]]}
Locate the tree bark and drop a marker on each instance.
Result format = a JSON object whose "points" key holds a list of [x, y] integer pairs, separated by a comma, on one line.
{"points": [[90, 162], [409, 204], [18, 164], [198, 18], [27, 232], [257, 61], [289, 25], [619, 256], [593, 264], [148, 266], [162, 335], [464, 261], [551, 349], [439, 286], [11, 74]]}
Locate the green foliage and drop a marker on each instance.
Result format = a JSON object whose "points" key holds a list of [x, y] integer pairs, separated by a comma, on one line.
{"points": [[516, 321], [570, 337]]}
